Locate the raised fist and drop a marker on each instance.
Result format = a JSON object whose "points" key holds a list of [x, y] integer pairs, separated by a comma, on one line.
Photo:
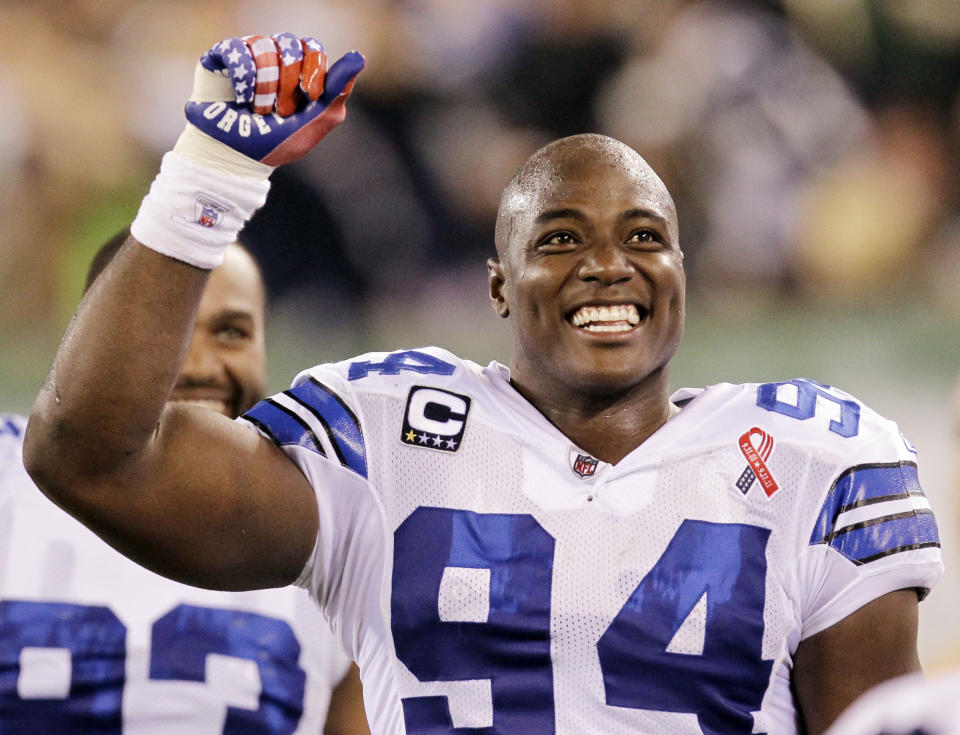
{"points": [[270, 98]]}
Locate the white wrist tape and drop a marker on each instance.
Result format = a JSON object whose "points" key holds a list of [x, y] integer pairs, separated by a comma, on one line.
{"points": [[193, 212]]}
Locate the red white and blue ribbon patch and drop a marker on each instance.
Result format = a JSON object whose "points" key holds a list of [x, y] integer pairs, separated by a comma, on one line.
{"points": [[756, 446]]}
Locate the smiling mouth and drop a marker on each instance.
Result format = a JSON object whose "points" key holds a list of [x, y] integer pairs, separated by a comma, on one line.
{"points": [[611, 318]]}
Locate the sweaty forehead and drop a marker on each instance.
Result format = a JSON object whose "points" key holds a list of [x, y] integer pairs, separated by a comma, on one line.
{"points": [[581, 166]]}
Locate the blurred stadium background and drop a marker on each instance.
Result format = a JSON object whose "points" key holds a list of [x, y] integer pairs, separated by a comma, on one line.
{"points": [[812, 147]]}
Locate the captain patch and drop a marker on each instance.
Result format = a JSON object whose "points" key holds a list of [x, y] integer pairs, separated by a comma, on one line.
{"points": [[434, 419]]}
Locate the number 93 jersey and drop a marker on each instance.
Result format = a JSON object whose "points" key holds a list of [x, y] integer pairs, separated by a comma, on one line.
{"points": [[92, 643], [490, 577]]}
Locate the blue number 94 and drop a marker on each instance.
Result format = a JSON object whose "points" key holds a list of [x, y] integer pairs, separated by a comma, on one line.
{"points": [[498, 629]]}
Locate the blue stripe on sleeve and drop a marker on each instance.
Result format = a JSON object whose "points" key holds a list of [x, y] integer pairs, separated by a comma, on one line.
{"points": [[283, 426], [885, 534], [864, 543], [341, 423], [8, 425], [860, 485]]}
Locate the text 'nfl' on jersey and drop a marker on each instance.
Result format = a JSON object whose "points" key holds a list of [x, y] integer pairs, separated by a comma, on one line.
{"points": [[490, 577]]}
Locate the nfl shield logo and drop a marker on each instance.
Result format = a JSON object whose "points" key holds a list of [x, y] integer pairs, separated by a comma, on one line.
{"points": [[584, 465], [208, 217], [209, 213]]}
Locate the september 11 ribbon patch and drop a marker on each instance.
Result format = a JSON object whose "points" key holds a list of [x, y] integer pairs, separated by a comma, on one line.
{"points": [[756, 446]]}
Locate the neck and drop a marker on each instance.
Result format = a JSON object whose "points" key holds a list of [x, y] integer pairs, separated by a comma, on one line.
{"points": [[607, 425]]}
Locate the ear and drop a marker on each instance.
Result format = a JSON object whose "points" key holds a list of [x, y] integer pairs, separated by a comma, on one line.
{"points": [[497, 284]]}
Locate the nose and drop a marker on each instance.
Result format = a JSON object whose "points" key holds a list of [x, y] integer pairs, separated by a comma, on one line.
{"points": [[202, 362], [606, 262]]}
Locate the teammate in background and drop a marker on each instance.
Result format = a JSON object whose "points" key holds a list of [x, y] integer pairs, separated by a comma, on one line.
{"points": [[908, 705], [91, 642], [559, 547]]}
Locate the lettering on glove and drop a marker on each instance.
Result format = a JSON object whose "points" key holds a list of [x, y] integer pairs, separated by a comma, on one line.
{"points": [[271, 98]]}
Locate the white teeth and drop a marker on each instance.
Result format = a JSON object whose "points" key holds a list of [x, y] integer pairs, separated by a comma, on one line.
{"points": [[615, 316], [603, 328], [218, 406]]}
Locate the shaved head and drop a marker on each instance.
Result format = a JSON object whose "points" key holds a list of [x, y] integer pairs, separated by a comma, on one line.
{"points": [[566, 158]]}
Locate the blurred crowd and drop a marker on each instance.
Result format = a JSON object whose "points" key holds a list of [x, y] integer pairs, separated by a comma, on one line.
{"points": [[812, 145]]}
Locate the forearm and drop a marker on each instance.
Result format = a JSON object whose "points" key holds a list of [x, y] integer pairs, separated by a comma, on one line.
{"points": [[116, 365]]}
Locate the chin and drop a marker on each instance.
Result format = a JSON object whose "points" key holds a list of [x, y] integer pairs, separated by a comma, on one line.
{"points": [[606, 386], [615, 377]]}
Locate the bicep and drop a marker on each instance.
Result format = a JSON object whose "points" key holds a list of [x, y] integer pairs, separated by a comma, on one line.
{"points": [[873, 644], [346, 715], [210, 503]]}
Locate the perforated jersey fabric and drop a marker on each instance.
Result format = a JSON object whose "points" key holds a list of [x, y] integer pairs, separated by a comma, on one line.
{"points": [[92, 642], [489, 575]]}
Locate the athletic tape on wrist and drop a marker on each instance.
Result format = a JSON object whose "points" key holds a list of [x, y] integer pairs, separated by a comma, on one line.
{"points": [[193, 212]]}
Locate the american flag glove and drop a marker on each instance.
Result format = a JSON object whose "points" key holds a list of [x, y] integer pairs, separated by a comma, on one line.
{"points": [[258, 102], [270, 98]]}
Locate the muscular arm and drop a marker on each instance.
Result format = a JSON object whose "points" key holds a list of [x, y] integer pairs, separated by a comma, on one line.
{"points": [[835, 666], [346, 715], [181, 490]]}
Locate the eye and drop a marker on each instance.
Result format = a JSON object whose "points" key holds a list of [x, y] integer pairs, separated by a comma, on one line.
{"points": [[558, 242], [232, 334], [645, 236]]}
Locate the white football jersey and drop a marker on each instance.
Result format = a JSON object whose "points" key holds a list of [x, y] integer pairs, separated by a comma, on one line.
{"points": [[486, 574], [908, 705], [90, 642]]}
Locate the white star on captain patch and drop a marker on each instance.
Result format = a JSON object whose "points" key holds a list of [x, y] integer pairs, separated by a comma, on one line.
{"points": [[422, 438], [233, 57], [451, 444], [437, 441]]}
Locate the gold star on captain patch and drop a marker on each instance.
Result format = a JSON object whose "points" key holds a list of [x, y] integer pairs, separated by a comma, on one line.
{"points": [[410, 436]]}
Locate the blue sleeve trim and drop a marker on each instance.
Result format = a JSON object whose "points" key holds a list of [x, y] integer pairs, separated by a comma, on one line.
{"points": [[867, 542], [340, 423], [886, 533], [8, 425], [283, 426], [862, 485]]}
